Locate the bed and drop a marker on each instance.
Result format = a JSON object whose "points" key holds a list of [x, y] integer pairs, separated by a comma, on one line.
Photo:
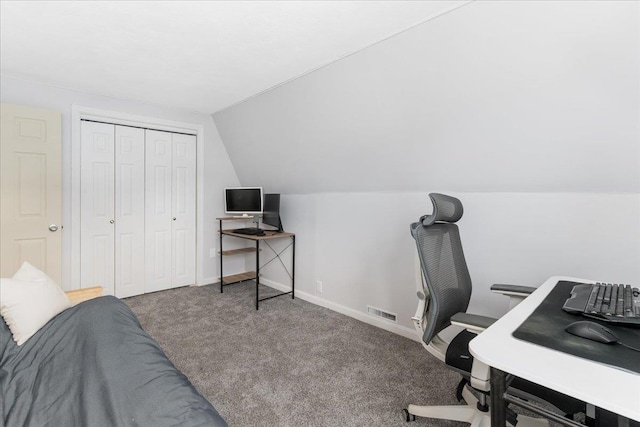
{"points": [[94, 365]]}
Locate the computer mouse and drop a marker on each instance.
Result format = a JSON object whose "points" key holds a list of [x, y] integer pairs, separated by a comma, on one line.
{"points": [[592, 331]]}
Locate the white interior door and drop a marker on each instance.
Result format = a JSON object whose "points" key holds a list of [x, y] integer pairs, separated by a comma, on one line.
{"points": [[31, 190], [97, 214], [129, 211], [184, 210], [158, 218]]}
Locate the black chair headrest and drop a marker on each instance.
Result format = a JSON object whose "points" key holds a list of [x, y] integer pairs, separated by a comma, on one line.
{"points": [[445, 209]]}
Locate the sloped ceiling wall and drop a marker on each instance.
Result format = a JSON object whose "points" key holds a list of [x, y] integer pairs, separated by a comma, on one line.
{"points": [[192, 55], [494, 96]]}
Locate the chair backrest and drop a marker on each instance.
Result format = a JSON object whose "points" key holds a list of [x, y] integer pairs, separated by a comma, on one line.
{"points": [[442, 261]]}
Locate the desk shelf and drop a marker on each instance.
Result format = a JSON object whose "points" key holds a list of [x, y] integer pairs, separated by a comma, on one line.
{"points": [[268, 235], [240, 277], [235, 218], [238, 251]]}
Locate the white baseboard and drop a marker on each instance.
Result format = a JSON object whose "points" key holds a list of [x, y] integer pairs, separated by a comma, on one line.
{"points": [[358, 315], [208, 281]]}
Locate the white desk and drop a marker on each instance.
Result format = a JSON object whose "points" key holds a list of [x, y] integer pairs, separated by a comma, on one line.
{"points": [[583, 379]]}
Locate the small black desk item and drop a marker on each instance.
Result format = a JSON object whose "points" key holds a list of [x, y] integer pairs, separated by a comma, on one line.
{"points": [[251, 231], [592, 331], [546, 327]]}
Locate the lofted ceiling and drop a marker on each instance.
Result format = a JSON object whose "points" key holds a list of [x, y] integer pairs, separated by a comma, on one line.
{"points": [[200, 56]]}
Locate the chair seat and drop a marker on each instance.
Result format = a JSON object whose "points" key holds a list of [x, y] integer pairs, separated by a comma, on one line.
{"points": [[458, 358]]}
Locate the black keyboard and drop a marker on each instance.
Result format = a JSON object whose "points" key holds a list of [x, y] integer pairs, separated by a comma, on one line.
{"points": [[605, 301], [251, 231]]}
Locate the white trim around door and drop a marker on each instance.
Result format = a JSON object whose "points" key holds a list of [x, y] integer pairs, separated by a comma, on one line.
{"points": [[79, 113]]}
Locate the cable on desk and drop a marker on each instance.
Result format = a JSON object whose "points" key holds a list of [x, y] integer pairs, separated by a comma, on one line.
{"points": [[628, 346]]}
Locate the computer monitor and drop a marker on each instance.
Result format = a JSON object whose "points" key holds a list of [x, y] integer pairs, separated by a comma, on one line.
{"points": [[271, 212], [243, 201]]}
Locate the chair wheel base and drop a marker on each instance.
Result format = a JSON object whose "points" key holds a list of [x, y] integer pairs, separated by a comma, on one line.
{"points": [[407, 416], [463, 382]]}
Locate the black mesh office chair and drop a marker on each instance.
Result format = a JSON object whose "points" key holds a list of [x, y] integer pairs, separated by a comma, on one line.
{"points": [[444, 291]]}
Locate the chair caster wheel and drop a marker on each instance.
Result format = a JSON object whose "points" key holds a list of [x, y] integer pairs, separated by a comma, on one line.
{"points": [[407, 416]]}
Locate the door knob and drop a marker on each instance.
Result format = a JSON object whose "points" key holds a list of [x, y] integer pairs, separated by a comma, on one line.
{"points": [[174, 218], [111, 222], [53, 227]]}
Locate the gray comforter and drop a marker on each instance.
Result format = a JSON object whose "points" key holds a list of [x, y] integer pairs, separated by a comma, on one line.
{"points": [[93, 365]]}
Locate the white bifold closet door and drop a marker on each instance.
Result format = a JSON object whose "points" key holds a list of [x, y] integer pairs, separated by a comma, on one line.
{"points": [[137, 209], [112, 208], [170, 210]]}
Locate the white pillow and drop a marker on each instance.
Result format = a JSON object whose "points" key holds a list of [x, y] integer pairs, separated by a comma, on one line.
{"points": [[29, 300]]}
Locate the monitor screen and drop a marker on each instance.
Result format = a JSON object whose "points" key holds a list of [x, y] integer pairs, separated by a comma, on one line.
{"points": [[271, 213], [243, 200]]}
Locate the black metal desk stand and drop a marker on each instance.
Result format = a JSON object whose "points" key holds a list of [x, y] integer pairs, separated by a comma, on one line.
{"points": [[250, 275]]}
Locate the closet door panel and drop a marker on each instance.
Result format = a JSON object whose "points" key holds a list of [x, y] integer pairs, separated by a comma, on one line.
{"points": [[97, 206], [129, 208], [158, 219], [184, 209]]}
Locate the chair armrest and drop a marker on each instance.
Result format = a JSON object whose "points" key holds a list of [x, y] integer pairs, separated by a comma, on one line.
{"points": [[515, 293], [79, 295], [515, 290], [472, 322]]}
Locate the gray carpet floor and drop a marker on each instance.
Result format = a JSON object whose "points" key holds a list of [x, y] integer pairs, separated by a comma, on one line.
{"points": [[291, 363]]}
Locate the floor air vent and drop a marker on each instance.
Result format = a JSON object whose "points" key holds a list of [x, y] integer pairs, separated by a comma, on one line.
{"points": [[381, 313]]}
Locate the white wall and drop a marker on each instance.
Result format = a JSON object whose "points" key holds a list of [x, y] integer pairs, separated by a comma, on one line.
{"points": [[218, 170], [538, 96], [527, 111], [359, 245]]}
